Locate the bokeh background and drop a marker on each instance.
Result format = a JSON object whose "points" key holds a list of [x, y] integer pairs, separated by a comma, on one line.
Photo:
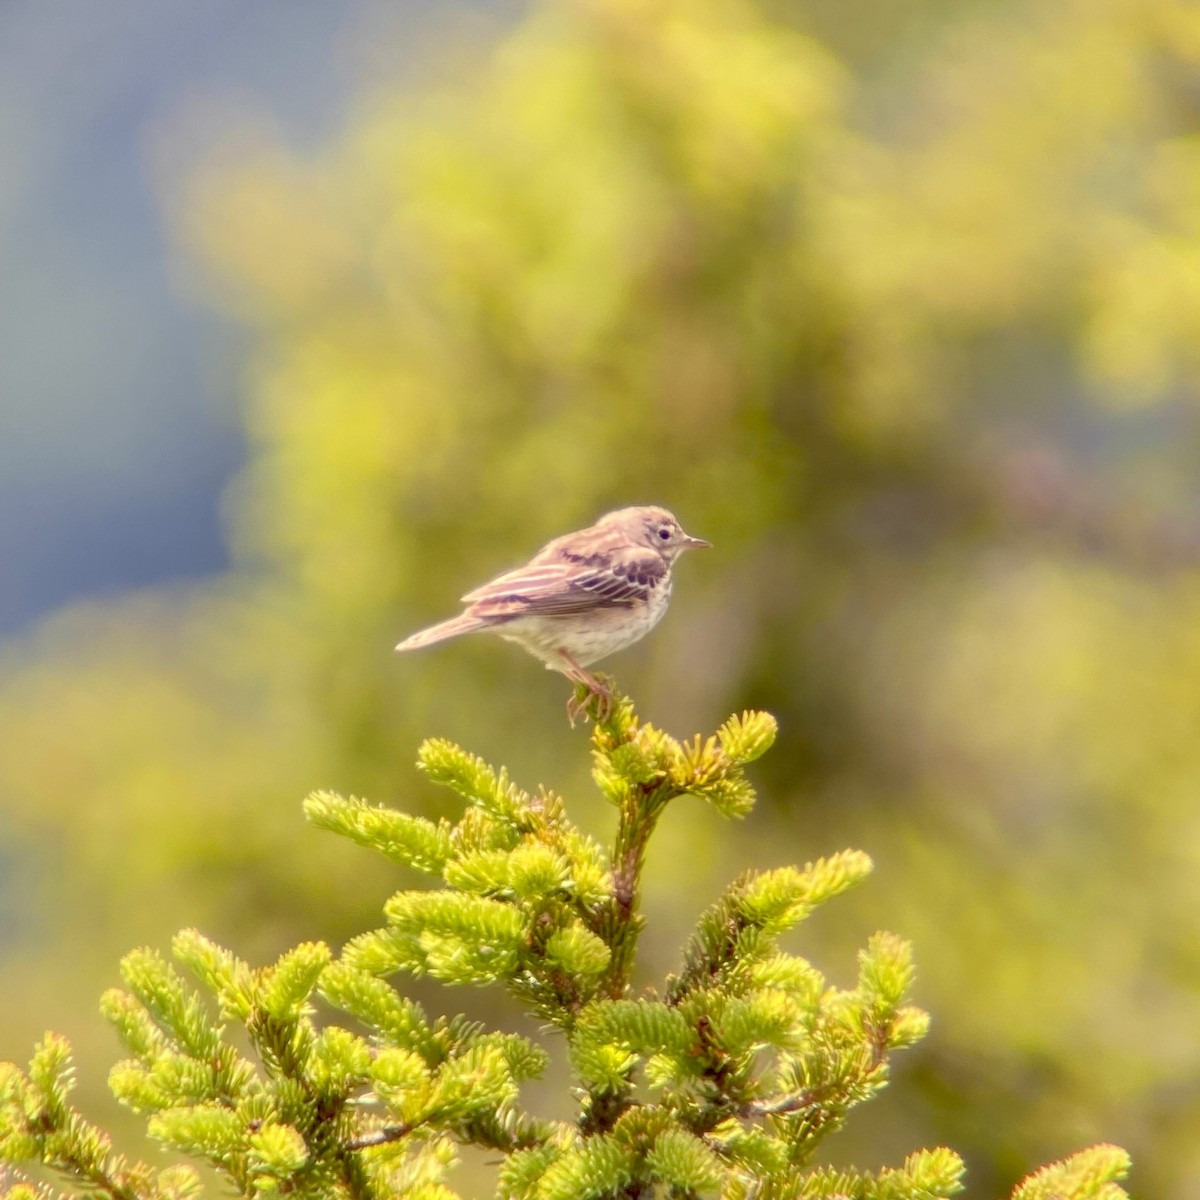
{"points": [[318, 312]]}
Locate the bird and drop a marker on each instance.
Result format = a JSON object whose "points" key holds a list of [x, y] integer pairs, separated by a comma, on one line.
{"points": [[580, 598]]}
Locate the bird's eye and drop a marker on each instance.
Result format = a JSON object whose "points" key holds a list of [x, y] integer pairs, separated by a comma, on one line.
{"points": [[664, 534]]}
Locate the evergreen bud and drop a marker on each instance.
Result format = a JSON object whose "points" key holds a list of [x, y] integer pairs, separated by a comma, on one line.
{"points": [[578, 951], [745, 738], [338, 1061], [682, 1162], [290, 983], [277, 1150], [1092, 1174], [227, 977], [207, 1131]]}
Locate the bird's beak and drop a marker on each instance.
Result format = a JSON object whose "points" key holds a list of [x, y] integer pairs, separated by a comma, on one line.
{"points": [[692, 543]]}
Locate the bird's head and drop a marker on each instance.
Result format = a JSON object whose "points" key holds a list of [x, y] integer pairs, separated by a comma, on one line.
{"points": [[652, 526]]}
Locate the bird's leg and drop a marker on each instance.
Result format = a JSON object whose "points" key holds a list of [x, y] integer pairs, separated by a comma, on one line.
{"points": [[603, 695]]}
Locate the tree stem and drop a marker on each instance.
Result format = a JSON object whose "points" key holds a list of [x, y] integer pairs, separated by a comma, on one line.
{"points": [[638, 817]]}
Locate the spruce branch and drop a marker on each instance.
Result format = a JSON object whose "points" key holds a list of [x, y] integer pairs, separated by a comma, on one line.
{"points": [[379, 1137], [641, 769], [725, 1082]]}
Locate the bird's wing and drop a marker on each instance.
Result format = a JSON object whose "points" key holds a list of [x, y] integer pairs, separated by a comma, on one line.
{"points": [[562, 584]]}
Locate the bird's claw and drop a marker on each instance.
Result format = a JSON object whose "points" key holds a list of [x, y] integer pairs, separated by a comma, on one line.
{"points": [[596, 700]]}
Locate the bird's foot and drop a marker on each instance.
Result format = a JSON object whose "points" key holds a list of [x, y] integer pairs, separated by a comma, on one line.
{"points": [[593, 698]]}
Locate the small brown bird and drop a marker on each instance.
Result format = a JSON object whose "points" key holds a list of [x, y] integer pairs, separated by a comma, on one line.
{"points": [[583, 596]]}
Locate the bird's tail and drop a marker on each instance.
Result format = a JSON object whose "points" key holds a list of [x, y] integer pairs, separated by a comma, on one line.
{"points": [[440, 632]]}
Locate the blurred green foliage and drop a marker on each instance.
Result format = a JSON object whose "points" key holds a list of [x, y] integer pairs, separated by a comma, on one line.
{"points": [[905, 322]]}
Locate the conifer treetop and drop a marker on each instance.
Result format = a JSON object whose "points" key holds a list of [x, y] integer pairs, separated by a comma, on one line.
{"points": [[722, 1082]]}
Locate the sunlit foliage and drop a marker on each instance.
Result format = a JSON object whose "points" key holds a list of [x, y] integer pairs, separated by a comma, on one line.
{"points": [[724, 1081]]}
